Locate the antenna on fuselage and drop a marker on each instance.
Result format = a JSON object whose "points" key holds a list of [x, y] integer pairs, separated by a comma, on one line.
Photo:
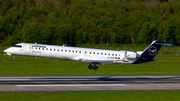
{"points": [[35, 42]]}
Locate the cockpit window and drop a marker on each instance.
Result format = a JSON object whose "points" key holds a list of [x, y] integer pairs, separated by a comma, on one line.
{"points": [[18, 46]]}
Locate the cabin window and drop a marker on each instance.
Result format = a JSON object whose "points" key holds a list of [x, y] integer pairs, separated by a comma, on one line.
{"points": [[19, 46], [101, 53], [79, 51], [104, 53], [76, 51], [39, 48], [69, 50], [65, 50], [50, 49], [119, 54], [112, 54], [94, 53], [89, 52], [36, 48], [58, 49], [73, 51], [109, 54], [46, 48], [42, 48], [61, 50], [54, 49], [97, 53], [116, 55]]}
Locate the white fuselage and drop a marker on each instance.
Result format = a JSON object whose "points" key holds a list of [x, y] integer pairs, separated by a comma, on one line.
{"points": [[72, 53], [88, 55]]}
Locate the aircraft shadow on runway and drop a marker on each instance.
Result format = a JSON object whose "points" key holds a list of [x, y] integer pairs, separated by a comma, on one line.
{"points": [[99, 79]]}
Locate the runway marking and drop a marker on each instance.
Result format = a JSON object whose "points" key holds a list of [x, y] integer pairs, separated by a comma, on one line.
{"points": [[47, 79], [71, 85]]}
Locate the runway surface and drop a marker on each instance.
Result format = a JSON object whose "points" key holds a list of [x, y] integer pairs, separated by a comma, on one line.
{"points": [[58, 83]]}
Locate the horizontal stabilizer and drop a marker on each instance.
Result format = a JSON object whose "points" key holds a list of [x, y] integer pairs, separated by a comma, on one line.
{"points": [[165, 44]]}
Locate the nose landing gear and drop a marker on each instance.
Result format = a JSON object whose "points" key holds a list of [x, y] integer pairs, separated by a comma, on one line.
{"points": [[13, 58], [93, 67]]}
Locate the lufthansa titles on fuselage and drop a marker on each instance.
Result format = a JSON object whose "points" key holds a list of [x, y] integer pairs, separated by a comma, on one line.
{"points": [[38, 46]]}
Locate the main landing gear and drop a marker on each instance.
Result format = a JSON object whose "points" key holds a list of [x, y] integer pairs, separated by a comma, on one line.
{"points": [[93, 67]]}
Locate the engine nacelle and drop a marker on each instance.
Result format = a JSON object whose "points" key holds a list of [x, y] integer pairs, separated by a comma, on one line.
{"points": [[131, 55]]}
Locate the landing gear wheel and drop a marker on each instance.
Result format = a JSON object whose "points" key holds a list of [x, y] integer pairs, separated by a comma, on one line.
{"points": [[95, 68], [90, 67], [13, 58]]}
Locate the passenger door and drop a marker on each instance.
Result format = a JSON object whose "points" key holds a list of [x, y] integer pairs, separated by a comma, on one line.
{"points": [[27, 49]]}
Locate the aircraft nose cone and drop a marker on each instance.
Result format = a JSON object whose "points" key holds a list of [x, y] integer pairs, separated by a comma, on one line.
{"points": [[5, 50]]}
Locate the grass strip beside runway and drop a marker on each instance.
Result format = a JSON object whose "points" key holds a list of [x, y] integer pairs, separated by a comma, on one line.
{"points": [[92, 96], [167, 64]]}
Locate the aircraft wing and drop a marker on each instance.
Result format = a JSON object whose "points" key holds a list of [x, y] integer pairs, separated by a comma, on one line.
{"points": [[98, 61]]}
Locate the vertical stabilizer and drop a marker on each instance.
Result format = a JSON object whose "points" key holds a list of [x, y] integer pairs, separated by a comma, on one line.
{"points": [[150, 52]]}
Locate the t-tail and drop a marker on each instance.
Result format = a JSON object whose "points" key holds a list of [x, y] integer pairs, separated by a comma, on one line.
{"points": [[150, 52]]}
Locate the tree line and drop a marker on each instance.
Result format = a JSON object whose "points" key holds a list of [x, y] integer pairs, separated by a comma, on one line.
{"points": [[79, 22]]}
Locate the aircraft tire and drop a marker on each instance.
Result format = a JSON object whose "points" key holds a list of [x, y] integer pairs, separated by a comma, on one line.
{"points": [[13, 59], [90, 67], [95, 68]]}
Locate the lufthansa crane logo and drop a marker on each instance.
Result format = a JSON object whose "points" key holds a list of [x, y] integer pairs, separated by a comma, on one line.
{"points": [[152, 50]]}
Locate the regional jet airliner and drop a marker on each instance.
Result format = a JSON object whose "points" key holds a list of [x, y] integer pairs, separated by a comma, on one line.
{"points": [[88, 55]]}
